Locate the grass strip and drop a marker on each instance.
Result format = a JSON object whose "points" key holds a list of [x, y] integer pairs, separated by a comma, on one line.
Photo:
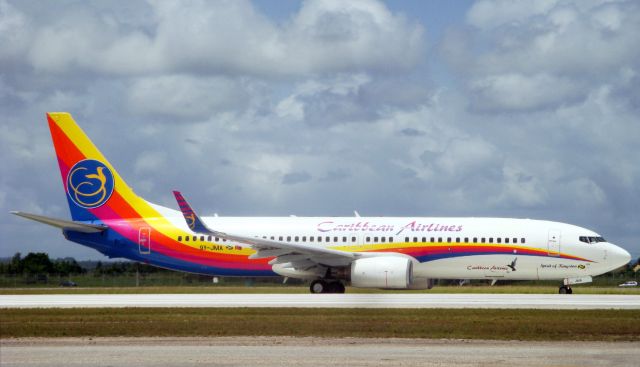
{"points": [[522, 289], [504, 324]]}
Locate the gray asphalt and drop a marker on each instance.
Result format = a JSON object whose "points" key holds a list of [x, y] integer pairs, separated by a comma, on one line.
{"points": [[374, 300], [288, 351]]}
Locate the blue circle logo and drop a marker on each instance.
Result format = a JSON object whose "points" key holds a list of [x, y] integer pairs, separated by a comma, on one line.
{"points": [[90, 183]]}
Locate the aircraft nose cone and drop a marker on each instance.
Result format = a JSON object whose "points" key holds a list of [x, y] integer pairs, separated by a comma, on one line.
{"points": [[619, 256]]}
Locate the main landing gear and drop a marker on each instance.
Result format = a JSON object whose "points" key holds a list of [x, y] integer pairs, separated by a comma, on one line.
{"points": [[324, 286], [565, 290]]}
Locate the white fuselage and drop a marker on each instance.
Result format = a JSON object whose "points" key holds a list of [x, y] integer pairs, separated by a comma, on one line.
{"points": [[447, 248]]}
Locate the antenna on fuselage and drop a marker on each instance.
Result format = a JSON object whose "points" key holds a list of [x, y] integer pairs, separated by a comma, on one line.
{"points": [[355, 212]]}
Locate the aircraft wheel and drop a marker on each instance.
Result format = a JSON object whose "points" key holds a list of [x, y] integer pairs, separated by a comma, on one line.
{"points": [[318, 286], [339, 287], [569, 290], [563, 290]]}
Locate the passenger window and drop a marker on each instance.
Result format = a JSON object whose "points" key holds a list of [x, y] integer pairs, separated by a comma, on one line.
{"points": [[186, 238], [466, 240], [390, 239], [522, 240], [448, 239], [288, 238], [406, 239], [280, 238], [296, 238], [382, 239], [304, 238], [368, 239], [475, 239], [335, 239], [272, 238], [457, 239], [482, 240], [515, 240], [209, 238], [353, 239], [217, 239], [179, 238], [506, 240], [202, 238], [490, 239], [498, 240], [439, 239], [433, 240], [424, 239], [344, 239], [415, 239], [310, 238], [375, 239], [319, 239]]}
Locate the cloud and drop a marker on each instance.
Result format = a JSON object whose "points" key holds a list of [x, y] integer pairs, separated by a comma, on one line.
{"points": [[227, 37], [293, 178], [185, 96], [517, 92], [546, 54]]}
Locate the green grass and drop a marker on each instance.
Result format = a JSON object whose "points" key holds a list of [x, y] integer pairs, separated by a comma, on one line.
{"points": [[516, 289], [604, 325]]}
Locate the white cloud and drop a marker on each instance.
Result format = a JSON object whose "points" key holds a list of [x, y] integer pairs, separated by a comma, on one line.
{"points": [[14, 31], [545, 54], [229, 37], [186, 96], [508, 92]]}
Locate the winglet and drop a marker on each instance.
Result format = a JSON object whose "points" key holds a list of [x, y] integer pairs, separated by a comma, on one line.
{"points": [[193, 221]]}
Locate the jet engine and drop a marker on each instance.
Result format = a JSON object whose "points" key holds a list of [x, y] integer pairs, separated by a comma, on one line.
{"points": [[392, 272]]}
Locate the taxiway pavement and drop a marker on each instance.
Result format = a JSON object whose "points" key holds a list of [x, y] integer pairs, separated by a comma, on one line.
{"points": [[294, 351]]}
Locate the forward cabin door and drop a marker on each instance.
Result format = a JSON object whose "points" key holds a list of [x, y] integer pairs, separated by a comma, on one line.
{"points": [[553, 242], [144, 240]]}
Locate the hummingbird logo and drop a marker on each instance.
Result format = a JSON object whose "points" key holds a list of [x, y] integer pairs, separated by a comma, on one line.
{"points": [[512, 266], [90, 183]]}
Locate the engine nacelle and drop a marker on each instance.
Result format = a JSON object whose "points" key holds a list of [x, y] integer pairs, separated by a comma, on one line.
{"points": [[382, 272]]}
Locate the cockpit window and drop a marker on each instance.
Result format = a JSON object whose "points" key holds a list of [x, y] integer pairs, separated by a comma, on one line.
{"points": [[589, 239]]}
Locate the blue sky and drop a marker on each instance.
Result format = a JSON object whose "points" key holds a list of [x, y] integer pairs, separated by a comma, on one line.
{"points": [[401, 108]]}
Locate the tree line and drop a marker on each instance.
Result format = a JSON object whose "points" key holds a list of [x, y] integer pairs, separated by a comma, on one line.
{"points": [[39, 263]]}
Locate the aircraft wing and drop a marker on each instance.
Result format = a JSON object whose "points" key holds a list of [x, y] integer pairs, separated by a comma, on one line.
{"points": [[293, 255], [63, 224]]}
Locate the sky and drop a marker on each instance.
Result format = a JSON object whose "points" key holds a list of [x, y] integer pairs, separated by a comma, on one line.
{"points": [[267, 108]]}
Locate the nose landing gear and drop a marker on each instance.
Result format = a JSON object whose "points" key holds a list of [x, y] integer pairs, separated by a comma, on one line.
{"points": [[565, 290]]}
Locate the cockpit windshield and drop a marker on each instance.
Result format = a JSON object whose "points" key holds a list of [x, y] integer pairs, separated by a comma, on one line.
{"points": [[589, 239]]}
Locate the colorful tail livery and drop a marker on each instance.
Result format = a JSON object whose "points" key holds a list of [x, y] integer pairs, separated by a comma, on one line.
{"points": [[94, 188], [375, 252]]}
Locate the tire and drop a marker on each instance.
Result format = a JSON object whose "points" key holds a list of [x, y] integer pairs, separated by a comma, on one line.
{"points": [[318, 286], [563, 290]]}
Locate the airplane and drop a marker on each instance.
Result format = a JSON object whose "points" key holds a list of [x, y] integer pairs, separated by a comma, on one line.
{"points": [[364, 252]]}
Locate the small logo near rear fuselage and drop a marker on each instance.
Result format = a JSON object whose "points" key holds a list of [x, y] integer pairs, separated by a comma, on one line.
{"points": [[90, 183]]}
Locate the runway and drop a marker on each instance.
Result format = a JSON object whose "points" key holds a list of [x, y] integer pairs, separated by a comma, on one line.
{"points": [[377, 300], [292, 351]]}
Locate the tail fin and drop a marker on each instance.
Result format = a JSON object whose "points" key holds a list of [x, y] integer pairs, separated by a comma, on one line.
{"points": [[94, 188]]}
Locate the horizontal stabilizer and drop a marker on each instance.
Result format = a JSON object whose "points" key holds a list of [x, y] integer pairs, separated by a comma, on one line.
{"points": [[63, 224]]}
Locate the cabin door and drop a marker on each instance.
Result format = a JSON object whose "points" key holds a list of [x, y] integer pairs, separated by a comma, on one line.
{"points": [[144, 240], [553, 242]]}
